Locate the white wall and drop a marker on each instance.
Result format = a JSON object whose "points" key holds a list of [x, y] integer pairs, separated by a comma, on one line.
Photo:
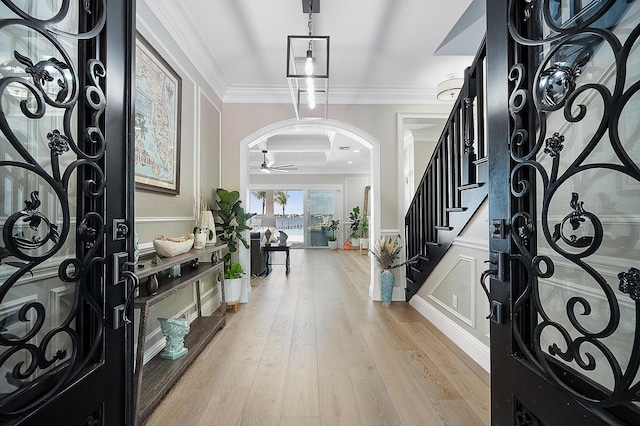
{"points": [[458, 275], [174, 215], [379, 121]]}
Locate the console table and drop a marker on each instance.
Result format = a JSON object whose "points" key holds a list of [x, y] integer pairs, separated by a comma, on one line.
{"points": [[156, 377], [271, 248]]}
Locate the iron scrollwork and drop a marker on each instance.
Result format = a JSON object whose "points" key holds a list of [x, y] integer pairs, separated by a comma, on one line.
{"points": [[51, 84], [525, 417], [630, 283], [542, 161]]}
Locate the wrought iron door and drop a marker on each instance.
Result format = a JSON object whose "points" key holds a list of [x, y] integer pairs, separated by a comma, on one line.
{"points": [[65, 347], [564, 157]]}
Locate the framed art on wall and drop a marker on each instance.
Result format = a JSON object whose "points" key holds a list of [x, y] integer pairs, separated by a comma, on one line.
{"points": [[157, 121]]}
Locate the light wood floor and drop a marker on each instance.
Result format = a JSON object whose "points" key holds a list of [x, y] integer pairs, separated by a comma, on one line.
{"points": [[313, 349]]}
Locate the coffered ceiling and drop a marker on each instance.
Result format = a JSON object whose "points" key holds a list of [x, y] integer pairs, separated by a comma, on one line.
{"points": [[381, 51]]}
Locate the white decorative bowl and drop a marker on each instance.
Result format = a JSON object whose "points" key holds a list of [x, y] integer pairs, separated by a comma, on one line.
{"points": [[168, 248]]}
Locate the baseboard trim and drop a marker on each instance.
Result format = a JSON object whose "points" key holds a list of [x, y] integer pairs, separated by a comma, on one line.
{"points": [[210, 306], [479, 352]]}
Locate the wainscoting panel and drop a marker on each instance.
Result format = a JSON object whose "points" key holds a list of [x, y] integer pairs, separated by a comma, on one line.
{"points": [[455, 291]]}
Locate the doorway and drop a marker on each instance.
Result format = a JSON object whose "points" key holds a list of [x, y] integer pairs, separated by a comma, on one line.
{"points": [[308, 212], [363, 138]]}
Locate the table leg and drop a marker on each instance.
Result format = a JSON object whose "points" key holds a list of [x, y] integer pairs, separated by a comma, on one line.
{"points": [[287, 262], [267, 261]]}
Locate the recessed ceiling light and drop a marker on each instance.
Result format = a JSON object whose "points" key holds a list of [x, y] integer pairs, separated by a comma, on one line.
{"points": [[349, 162], [356, 150], [344, 148]]}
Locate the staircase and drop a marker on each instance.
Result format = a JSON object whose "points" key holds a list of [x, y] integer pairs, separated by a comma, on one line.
{"points": [[453, 185]]}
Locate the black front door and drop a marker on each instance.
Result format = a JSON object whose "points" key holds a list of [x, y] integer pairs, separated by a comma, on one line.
{"points": [[65, 349], [564, 137]]}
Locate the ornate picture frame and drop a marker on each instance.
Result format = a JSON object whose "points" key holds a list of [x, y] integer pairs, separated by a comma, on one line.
{"points": [[157, 121]]}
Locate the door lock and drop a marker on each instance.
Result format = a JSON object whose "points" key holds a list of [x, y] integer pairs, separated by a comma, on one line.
{"points": [[120, 229], [119, 266], [499, 228]]}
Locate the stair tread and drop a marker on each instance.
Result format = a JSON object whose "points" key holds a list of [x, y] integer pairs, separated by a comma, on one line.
{"points": [[470, 186], [443, 227], [456, 209]]}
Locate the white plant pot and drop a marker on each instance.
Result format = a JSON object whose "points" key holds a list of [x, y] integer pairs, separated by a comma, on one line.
{"points": [[333, 245], [232, 289], [355, 242], [364, 243]]}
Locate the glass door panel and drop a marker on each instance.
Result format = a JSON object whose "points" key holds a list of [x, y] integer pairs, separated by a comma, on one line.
{"points": [[571, 281], [588, 199], [37, 297], [320, 211]]}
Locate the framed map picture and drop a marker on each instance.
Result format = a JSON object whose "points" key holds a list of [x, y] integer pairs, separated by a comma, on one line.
{"points": [[157, 121]]}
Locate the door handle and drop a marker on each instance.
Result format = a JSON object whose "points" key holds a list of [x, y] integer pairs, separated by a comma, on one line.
{"points": [[120, 316], [497, 269]]}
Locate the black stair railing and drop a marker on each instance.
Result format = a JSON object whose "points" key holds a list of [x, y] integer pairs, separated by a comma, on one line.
{"points": [[451, 189]]}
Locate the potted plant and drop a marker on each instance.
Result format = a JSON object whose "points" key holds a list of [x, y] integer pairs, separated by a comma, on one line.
{"points": [[364, 227], [388, 252], [230, 219], [354, 217], [333, 225], [233, 282]]}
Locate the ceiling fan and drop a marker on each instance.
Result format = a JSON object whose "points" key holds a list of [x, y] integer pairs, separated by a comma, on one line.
{"points": [[266, 168]]}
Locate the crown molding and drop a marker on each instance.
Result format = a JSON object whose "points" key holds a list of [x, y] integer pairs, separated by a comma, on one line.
{"points": [[173, 20], [281, 95], [167, 12]]}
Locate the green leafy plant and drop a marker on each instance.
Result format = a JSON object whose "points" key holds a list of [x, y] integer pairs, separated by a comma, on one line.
{"points": [[364, 226], [354, 217], [333, 225], [233, 271], [231, 221]]}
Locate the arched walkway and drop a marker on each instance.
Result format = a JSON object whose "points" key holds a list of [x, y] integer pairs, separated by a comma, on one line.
{"points": [[328, 125]]}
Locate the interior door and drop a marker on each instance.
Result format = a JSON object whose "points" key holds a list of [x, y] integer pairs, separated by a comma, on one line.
{"points": [[65, 349], [564, 195]]}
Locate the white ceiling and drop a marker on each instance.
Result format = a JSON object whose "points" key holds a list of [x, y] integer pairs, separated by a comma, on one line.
{"points": [[311, 152], [382, 51]]}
